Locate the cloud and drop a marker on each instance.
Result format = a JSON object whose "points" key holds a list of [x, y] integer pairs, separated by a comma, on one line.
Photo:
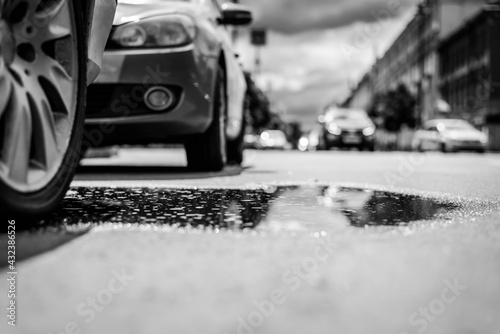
{"points": [[291, 16], [307, 70]]}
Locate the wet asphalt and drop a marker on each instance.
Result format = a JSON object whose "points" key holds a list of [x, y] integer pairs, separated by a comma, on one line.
{"points": [[213, 247], [239, 209]]}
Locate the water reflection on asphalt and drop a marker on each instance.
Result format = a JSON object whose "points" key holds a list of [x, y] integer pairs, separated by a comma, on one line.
{"points": [[239, 209]]}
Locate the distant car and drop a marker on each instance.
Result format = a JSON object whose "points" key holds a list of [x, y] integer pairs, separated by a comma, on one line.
{"points": [[316, 140], [251, 141], [274, 139], [303, 144], [449, 135], [345, 128], [312, 141], [170, 75], [49, 52]]}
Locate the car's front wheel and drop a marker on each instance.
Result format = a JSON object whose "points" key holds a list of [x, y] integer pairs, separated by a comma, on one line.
{"points": [[42, 90], [208, 152]]}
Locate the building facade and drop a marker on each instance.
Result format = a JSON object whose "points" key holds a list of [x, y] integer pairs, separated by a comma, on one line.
{"points": [[361, 96], [413, 58], [470, 71]]}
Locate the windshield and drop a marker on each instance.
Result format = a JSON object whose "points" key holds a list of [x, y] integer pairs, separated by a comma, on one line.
{"points": [[346, 114]]}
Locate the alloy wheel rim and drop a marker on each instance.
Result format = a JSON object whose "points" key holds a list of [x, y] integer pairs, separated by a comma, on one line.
{"points": [[38, 89]]}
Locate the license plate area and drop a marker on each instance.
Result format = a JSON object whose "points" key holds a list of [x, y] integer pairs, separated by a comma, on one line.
{"points": [[352, 138]]}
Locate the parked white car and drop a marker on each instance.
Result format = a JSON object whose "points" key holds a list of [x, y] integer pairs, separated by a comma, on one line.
{"points": [[449, 135], [274, 139]]}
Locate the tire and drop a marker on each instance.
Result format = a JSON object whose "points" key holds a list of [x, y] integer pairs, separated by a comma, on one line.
{"points": [[41, 122], [326, 146], [235, 148], [443, 148], [208, 152]]}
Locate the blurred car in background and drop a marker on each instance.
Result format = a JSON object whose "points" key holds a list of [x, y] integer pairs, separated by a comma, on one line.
{"points": [[303, 145], [449, 135], [274, 139], [313, 141], [346, 128], [170, 75], [44, 72], [251, 141]]}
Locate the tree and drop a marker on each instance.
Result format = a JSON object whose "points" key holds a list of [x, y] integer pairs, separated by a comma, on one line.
{"points": [[259, 106], [394, 109]]}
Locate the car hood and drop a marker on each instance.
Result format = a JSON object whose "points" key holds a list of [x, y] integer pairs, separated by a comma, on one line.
{"points": [[128, 11], [353, 124], [464, 135]]}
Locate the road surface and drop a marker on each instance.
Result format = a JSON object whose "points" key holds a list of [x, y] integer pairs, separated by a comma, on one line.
{"points": [[125, 254]]}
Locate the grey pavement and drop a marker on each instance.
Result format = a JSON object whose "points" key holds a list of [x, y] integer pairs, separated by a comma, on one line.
{"points": [[299, 273]]}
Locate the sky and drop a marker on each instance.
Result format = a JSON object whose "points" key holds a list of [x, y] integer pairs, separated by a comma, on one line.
{"points": [[318, 49]]}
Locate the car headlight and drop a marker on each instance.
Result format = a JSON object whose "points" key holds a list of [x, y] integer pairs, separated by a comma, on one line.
{"points": [[168, 30], [484, 140], [370, 131], [334, 129]]}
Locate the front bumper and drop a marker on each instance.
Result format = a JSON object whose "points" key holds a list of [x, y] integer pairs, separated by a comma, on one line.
{"points": [[466, 145], [349, 139], [115, 102]]}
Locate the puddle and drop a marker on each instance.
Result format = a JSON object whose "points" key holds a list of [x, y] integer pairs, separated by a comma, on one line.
{"points": [[377, 208], [245, 208]]}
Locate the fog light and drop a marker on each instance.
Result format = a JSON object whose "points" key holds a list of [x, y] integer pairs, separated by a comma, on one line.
{"points": [[158, 98]]}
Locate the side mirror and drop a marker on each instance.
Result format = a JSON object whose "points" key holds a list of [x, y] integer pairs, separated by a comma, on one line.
{"points": [[235, 15]]}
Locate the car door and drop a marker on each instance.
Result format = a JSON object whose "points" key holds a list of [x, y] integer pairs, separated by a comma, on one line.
{"points": [[236, 84], [430, 138]]}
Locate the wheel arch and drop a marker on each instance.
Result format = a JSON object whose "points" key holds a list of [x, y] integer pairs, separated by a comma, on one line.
{"points": [[234, 111], [223, 64], [98, 16]]}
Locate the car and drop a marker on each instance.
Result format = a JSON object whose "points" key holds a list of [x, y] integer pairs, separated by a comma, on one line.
{"points": [[49, 52], [170, 75], [303, 144], [449, 135], [273, 140], [347, 128], [251, 141], [316, 141], [311, 141]]}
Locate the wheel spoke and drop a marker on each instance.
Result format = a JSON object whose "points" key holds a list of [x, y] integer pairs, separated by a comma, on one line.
{"points": [[5, 87], [60, 82], [57, 21], [45, 139], [18, 137], [20, 11]]}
